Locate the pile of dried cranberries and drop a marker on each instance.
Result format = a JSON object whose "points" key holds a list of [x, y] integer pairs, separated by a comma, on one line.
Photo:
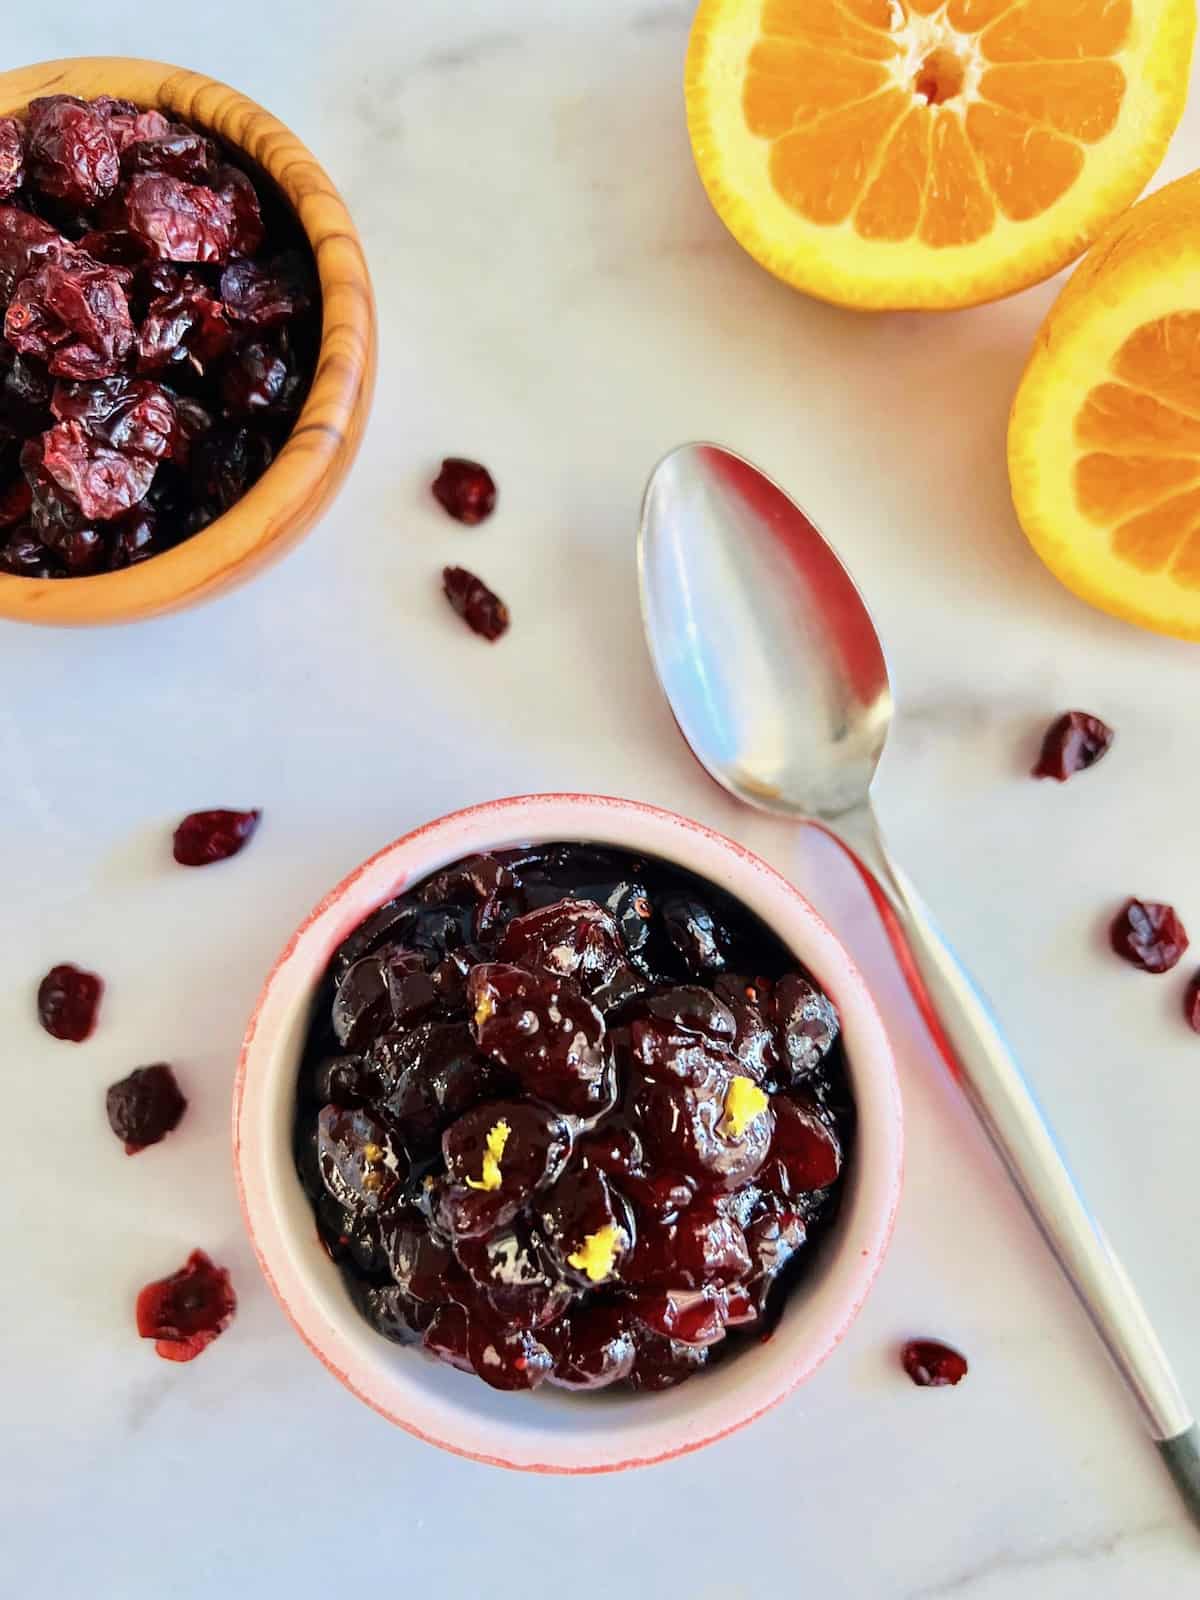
{"points": [[573, 1115], [160, 331]]}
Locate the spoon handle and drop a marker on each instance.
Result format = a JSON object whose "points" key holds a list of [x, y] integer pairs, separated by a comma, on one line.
{"points": [[988, 1073]]}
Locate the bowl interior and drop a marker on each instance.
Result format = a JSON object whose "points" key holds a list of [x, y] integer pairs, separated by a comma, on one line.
{"points": [[551, 1429]]}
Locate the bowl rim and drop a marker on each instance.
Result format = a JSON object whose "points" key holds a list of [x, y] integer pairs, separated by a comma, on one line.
{"points": [[314, 458], [540, 817]]}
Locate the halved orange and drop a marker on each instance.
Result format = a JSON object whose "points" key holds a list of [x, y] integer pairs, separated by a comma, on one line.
{"points": [[930, 153], [1104, 439]]}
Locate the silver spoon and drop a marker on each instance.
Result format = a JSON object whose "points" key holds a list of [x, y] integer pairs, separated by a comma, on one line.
{"points": [[772, 666]]}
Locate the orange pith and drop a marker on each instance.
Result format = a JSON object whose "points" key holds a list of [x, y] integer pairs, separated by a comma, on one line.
{"points": [[910, 117], [1139, 473]]}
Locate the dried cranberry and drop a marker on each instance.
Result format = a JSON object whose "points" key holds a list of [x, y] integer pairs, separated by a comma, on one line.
{"points": [[1191, 1004], [225, 463], [260, 379], [102, 482], [359, 1162], [264, 294], [540, 1027], [24, 393], [465, 489], [931, 1365], [240, 195], [182, 324], [482, 610], [68, 1002], [70, 150], [144, 1107], [1073, 743], [133, 538], [15, 503], [178, 151], [1149, 935], [179, 221], [12, 156], [132, 415], [25, 242], [126, 123], [207, 836], [23, 555], [73, 315], [185, 1312], [116, 247]]}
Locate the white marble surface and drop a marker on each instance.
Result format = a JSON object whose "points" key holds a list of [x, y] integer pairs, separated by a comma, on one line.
{"points": [[556, 297]]}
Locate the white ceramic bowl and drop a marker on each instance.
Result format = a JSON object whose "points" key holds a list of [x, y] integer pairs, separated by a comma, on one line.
{"points": [[553, 1431]]}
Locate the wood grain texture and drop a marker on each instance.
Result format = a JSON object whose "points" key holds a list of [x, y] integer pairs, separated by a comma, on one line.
{"points": [[307, 472]]}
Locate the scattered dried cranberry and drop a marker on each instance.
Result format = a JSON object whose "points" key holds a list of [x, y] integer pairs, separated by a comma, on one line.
{"points": [[1149, 935], [208, 836], [144, 1107], [1073, 743], [68, 1002], [1191, 1004], [12, 156], [184, 1313], [482, 610], [465, 489], [931, 1365]]}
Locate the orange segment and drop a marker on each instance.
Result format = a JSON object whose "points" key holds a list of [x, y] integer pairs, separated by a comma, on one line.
{"points": [[891, 208], [1079, 98], [1110, 487], [788, 83], [822, 170], [1059, 30], [1028, 168], [1104, 440], [1164, 358], [930, 153], [1120, 419], [958, 208], [826, 23], [1148, 542]]}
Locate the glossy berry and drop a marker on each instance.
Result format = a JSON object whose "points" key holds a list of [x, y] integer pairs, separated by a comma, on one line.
{"points": [[482, 610], [68, 1002], [594, 1347], [540, 1028], [465, 489], [208, 836], [931, 1365], [184, 1313], [1149, 935], [144, 1107], [1073, 743]]}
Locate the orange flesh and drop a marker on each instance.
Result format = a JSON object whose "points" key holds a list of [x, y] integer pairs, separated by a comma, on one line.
{"points": [[1139, 473], [990, 122]]}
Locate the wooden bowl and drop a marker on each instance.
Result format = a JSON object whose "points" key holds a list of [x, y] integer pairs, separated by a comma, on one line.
{"points": [[302, 480]]}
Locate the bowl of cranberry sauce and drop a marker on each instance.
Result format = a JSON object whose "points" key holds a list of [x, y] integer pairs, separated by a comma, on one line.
{"points": [[186, 339], [567, 1134]]}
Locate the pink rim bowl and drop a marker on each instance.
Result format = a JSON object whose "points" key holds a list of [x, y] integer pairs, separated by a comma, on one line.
{"points": [[553, 1431]]}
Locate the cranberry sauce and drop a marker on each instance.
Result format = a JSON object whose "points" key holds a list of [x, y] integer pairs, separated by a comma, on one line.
{"points": [[571, 1115]]}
